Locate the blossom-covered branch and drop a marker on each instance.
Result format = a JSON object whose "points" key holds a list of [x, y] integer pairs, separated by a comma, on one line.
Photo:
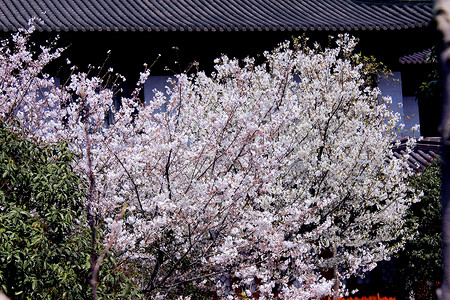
{"points": [[269, 174]]}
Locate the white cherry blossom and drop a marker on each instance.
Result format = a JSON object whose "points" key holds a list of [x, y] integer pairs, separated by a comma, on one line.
{"points": [[271, 174]]}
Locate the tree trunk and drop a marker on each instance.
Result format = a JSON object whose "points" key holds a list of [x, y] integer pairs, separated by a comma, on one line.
{"points": [[442, 10], [336, 277]]}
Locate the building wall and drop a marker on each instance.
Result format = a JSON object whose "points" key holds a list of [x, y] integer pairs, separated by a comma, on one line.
{"points": [[406, 106], [153, 83]]}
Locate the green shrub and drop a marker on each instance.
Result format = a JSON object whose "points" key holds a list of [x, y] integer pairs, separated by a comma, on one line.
{"points": [[45, 243], [418, 266]]}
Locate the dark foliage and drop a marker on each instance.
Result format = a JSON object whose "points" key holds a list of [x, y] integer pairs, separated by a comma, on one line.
{"points": [[45, 243], [418, 267]]}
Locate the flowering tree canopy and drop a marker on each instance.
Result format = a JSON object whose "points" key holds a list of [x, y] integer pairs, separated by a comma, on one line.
{"points": [[272, 175]]}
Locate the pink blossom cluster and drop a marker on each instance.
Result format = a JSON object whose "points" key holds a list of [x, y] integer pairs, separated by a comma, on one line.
{"points": [[269, 175]]}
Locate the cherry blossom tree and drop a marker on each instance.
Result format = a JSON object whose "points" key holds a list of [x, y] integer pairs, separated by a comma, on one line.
{"points": [[275, 178]]}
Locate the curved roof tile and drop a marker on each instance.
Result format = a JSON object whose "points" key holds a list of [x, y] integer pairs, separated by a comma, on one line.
{"points": [[216, 15], [416, 58], [423, 153]]}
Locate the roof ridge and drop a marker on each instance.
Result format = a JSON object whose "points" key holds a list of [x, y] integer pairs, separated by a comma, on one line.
{"points": [[217, 15], [394, 2]]}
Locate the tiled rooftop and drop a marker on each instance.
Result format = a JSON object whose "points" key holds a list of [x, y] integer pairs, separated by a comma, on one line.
{"points": [[416, 58], [425, 151], [216, 15]]}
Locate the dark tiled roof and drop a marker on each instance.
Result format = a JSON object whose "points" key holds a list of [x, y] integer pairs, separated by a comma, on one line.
{"points": [[416, 58], [424, 152], [215, 15]]}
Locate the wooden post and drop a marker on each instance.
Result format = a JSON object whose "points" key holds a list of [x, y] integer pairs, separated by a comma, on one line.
{"points": [[442, 12]]}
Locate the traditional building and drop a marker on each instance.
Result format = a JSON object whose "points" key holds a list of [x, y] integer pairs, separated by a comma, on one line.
{"points": [[399, 33], [396, 32]]}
